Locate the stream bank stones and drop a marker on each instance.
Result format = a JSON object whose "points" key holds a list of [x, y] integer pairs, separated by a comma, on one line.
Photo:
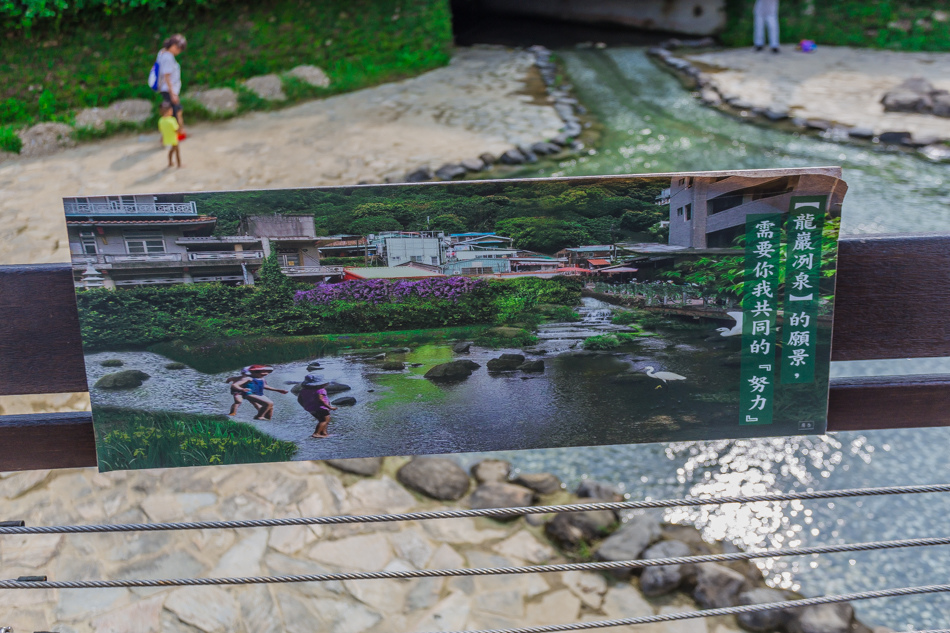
{"points": [[216, 100], [267, 87], [311, 75], [454, 370], [125, 111], [917, 95], [435, 477], [127, 379], [45, 138]]}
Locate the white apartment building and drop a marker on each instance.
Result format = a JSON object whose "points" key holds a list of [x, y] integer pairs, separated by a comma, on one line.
{"points": [[710, 212]]}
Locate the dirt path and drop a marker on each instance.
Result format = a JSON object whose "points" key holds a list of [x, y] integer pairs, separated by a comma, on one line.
{"points": [[472, 106]]}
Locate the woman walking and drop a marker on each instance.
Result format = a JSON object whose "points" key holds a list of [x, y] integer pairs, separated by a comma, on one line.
{"points": [[169, 75]]}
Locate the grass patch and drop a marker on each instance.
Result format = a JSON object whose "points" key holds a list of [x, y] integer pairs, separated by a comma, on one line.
{"points": [[9, 141], [132, 439], [609, 341], [505, 336], [88, 58], [905, 26], [223, 354]]}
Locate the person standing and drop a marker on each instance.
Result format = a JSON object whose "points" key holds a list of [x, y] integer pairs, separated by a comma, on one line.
{"points": [[169, 75], [168, 126], [765, 17]]}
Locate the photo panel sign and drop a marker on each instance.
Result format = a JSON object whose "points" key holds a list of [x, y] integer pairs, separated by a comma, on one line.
{"points": [[409, 319]]}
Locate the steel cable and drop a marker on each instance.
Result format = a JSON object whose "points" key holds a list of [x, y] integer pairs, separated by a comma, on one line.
{"points": [[484, 571], [486, 512], [708, 613]]}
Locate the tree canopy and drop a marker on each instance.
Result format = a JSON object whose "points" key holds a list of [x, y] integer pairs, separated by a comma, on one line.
{"points": [[540, 215]]}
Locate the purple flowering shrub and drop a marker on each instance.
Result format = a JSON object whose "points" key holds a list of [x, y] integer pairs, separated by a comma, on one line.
{"points": [[378, 291]]}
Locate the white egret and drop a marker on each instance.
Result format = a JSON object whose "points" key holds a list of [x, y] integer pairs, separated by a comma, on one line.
{"points": [[662, 375], [736, 329]]}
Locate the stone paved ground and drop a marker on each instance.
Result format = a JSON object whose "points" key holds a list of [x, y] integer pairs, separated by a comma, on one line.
{"points": [[284, 490], [836, 83], [476, 104]]}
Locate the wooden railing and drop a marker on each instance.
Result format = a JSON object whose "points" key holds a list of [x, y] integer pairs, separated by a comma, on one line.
{"points": [[892, 301]]}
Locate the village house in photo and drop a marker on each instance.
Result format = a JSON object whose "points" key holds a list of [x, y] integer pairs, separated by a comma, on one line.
{"points": [[418, 319]]}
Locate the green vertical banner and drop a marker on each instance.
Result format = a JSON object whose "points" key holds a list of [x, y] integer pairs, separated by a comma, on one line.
{"points": [[760, 291], [802, 274]]}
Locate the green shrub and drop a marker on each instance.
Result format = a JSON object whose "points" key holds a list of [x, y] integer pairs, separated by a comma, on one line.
{"points": [[625, 317], [47, 105], [133, 439], [561, 314], [10, 141], [25, 13], [112, 362], [13, 111], [608, 341], [601, 342], [253, 67], [143, 316]]}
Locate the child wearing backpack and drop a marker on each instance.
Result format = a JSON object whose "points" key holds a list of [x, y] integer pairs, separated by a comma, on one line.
{"points": [[168, 126]]}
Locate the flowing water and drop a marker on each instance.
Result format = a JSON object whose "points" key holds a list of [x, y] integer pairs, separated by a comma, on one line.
{"points": [[651, 124], [581, 397]]}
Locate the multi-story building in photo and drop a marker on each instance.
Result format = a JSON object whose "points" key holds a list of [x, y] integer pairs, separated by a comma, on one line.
{"points": [[710, 212], [137, 240], [422, 247]]}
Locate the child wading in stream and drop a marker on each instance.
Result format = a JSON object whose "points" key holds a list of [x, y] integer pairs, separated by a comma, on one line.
{"points": [[238, 393], [315, 401], [253, 387]]}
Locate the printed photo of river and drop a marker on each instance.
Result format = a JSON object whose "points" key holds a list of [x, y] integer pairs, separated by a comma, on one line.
{"points": [[456, 317], [579, 397]]}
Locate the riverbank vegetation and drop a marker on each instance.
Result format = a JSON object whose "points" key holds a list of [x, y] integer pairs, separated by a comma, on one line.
{"points": [[545, 217], [609, 341], [133, 439], [221, 354], [58, 57], [221, 324], [917, 25]]}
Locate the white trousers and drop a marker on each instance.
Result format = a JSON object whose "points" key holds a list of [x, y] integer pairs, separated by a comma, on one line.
{"points": [[760, 23]]}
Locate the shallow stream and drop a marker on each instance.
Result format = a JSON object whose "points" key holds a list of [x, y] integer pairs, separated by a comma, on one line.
{"points": [[651, 124], [580, 398]]}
